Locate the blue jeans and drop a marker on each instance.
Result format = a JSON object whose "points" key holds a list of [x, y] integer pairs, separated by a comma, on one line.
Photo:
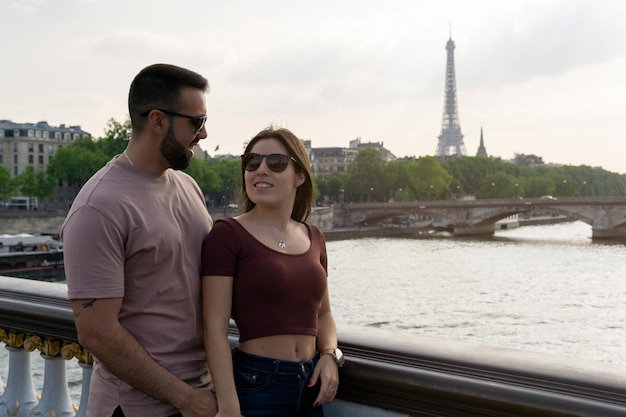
{"points": [[275, 388]]}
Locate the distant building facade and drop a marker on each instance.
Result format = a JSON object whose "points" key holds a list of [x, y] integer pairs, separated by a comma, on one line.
{"points": [[24, 144], [327, 161], [34, 144], [527, 160]]}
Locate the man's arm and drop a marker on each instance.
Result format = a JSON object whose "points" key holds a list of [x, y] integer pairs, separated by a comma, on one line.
{"points": [[100, 332]]}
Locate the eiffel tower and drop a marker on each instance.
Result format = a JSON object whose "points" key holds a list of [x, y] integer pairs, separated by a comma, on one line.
{"points": [[451, 139]]}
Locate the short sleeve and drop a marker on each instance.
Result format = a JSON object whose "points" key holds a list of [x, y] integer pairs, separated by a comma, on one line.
{"points": [[93, 255], [220, 250]]}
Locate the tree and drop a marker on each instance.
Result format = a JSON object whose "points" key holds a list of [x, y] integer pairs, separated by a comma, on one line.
{"points": [[35, 184], [470, 172], [329, 188], [27, 182], [429, 180], [366, 178], [537, 186], [498, 185], [335, 182], [227, 189], [8, 185], [116, 137], [206, 177], [76, 164], [398, 172]]}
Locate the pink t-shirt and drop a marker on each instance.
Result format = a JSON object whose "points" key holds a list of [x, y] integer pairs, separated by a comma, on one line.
{"points": [[138, 236], [273, 293]]}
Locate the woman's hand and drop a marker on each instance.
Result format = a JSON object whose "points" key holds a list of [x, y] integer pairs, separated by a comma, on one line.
{"points": [[327, 372]]}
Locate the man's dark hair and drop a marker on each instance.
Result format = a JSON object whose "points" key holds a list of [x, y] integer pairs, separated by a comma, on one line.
{"points": [[159, 86]]}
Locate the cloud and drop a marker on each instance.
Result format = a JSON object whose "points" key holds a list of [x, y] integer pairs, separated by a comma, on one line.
{"points": [[544, 39], [27, 6]]}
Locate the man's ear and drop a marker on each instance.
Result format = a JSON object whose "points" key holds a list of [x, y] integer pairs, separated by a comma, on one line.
{"points": [[158, 122]]}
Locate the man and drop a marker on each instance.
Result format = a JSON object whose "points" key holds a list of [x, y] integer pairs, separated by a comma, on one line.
{"points": [[132, 245]]}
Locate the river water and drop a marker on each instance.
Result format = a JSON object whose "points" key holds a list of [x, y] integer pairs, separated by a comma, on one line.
{"points": [[544, 288], [547, 289]]}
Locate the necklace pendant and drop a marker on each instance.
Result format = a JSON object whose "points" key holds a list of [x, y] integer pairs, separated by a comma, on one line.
{"points": [[281, 244]]}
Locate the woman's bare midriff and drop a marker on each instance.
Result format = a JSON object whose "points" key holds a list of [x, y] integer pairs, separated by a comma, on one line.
{"points": [[287, 347]]}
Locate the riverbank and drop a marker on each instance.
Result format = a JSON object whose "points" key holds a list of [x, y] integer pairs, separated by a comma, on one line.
{"points": [[345, 233]]}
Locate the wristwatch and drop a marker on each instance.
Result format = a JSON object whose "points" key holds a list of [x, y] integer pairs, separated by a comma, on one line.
{"points": [[337, 356]]}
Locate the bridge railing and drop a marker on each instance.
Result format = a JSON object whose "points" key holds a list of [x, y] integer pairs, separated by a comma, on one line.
{"points": [[385, 375]]}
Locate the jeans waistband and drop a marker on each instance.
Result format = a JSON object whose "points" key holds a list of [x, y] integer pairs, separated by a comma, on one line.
{"points": [[263, 363]]}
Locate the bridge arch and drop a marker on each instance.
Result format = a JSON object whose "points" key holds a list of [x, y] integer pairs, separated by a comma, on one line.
{"points": [[606, 216]]}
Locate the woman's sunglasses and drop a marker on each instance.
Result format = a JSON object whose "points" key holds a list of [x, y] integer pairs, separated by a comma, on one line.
{"points": [[276, 162]]}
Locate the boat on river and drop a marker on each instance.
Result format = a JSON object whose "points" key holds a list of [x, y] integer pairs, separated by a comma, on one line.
{"points": [[31, 256]]}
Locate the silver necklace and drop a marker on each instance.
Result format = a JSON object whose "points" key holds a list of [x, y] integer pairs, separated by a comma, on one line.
{"points": [[281, 244], [130, 161]]}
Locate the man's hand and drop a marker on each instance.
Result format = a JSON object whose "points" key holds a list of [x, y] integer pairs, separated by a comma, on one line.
{"points": [[200, 403]]}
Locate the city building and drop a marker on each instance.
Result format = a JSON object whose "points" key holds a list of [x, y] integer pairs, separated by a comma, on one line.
{"points": [[527, 160], [24, 144], [327, 161], [34, 144]]}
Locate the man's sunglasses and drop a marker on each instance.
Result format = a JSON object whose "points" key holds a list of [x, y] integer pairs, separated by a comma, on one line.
{"points": [[197, 121], [276, 162]]}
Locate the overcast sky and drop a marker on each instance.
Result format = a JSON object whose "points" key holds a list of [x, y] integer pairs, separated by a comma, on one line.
{"points": [[543, 77]]}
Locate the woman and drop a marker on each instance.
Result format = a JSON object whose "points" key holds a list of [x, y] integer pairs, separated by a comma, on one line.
{"points": [[267, 270]]}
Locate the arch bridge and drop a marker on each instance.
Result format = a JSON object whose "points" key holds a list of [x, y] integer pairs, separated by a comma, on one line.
{"points": [[605, 215]]}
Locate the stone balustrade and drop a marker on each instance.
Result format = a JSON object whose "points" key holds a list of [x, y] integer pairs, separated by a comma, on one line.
{"points": [[385, 374]]}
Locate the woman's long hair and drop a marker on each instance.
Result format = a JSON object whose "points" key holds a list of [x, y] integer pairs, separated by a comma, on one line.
{"points": [[303, 203]]}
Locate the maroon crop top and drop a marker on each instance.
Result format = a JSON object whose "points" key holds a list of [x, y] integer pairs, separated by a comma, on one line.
{"points": [[273, 293]]}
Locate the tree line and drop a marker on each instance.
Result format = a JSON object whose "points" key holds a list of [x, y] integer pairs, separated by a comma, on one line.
{"points": [[368, 178]]}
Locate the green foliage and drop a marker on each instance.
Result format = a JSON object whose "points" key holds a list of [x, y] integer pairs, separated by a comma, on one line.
{"points": [[328, 189], [75, 164], [219, 179], [35, 184], [430, 180], [207, 178], [370, 178], [537, 186], [498, 185], [367, 179], [476, 175], [116, 137], [8, 185]]}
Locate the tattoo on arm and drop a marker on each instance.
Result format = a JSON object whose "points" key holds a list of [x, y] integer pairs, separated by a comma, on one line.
{"points": [[89, 304]]}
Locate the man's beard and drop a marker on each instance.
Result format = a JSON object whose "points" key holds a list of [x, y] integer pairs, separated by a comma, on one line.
{"points": [[173, 152]]}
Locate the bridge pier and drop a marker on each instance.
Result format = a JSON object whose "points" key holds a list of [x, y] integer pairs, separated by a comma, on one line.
{"points": [[474, 229], [608, 233]]}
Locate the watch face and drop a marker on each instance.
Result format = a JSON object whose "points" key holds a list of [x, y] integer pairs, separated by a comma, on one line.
{"points": [[339, 357]]}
